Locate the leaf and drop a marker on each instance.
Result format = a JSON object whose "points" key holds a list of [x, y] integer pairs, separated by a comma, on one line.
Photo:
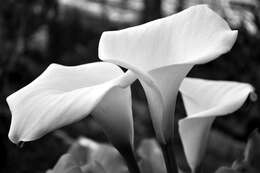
{"points": [[93, 167], [79, 153], [62, 95], [252, 150], [163, 51], [102, 155], [226, 170], [89, 156], [66, 164], [203, 101], [243, 167]]}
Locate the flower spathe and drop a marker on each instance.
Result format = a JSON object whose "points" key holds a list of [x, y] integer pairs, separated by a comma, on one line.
{"points": [[160, 54], [62, 95], [163, 51], [203, 101]]}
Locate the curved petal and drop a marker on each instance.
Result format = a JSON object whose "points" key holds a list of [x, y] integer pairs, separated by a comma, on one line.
{"points": [[195, 35], [168, 80], [203, 101], [62, 95], [163, 51]]}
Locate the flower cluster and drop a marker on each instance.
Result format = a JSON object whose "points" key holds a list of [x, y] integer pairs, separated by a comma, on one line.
{"points": [[159, 54]]}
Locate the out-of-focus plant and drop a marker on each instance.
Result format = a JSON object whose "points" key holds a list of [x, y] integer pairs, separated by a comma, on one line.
{"points": [[250, 161], [242, 14], [86, 155], [160, 54]]}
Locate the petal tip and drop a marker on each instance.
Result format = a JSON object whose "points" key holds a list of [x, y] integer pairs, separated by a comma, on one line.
{"points": [[13, 137], [8, 99], [101, 46], [233, 37], [253, 96]]}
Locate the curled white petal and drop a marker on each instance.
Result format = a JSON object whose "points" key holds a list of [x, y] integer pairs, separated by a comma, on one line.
{"points": [[163, 51], [203, 101], [62, 95], [195, 35]]}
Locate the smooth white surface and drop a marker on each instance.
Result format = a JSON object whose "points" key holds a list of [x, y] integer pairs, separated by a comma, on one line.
{"points": [[203, 101], [163, 51], [62, 95]]}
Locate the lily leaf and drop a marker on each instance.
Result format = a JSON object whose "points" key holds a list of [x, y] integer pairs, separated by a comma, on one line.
{"points": [[252, 150], [244, 167], [101, 156], [163, 51], [79, 153], [226, 170], [62, 95], [203, 101], [66, 164], [88, 156], [93, 167]]}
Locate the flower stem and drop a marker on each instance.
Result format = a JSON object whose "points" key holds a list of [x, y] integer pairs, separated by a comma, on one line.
{"points": [[198, 169], [169, 157], [129, 157]]}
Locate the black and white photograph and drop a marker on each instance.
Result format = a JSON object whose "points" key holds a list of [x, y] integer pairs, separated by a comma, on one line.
{"points": [[129, 86]]}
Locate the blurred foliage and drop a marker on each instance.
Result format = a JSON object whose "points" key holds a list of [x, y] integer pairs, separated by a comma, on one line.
{"points": [[250, 161], [88, 156], [35, 33]]}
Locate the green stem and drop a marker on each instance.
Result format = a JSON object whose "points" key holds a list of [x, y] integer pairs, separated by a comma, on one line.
{"points": [[169, 157], [130, 160]]}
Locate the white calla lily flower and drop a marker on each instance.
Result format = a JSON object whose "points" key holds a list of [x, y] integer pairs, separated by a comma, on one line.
{"points": [[62, 95], [203, 101], [163, 51]]}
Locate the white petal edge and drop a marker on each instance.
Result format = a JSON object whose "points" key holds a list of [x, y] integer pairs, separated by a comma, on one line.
{"points": [[194, 36], [153, 94], [203, 101], [167, 43], [62, 95]]}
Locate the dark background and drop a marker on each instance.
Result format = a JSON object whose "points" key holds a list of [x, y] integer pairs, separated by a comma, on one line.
{"points": [[35, 33]]}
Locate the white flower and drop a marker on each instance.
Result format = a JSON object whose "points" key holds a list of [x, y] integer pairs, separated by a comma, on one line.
{"points": [[160, 54], [62, 95], [203, 101], [163, 51]]}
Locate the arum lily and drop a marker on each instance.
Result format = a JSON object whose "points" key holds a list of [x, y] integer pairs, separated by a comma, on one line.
{"points": [[62, 95], [160, 53], [203, 101]]}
